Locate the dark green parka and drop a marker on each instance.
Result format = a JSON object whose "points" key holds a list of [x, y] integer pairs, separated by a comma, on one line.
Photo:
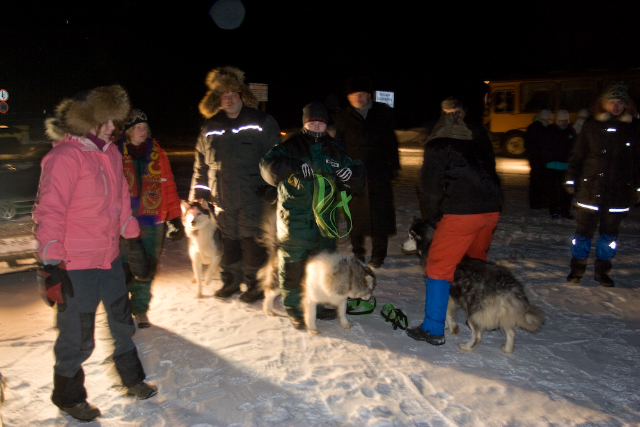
{"points": [[281, 167]]}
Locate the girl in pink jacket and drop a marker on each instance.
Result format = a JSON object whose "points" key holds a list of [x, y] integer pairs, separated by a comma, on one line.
{"points": [[83, 208]]}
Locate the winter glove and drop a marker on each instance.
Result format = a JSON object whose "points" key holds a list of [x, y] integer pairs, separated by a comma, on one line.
{"points": [[201, 193], [306, 171], [268, 193], [138, 259], [571, 189], [344, 174], [175, 229], [54, 286]]}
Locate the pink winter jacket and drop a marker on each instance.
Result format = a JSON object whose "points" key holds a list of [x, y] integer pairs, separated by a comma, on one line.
{"points": [[83, 205]]}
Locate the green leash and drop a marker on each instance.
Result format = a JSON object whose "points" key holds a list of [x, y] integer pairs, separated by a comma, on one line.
{"points": [[326, 206]]}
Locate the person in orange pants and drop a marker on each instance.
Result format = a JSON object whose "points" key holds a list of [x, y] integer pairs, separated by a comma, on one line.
{"points": [[461, 192]]}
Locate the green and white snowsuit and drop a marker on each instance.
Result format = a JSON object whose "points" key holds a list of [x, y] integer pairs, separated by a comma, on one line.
{"points": [[298, 233]]}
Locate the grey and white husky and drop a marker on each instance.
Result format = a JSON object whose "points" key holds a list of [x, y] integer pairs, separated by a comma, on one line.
{"points": [[205, 245], [489, 293], [330, 278]]}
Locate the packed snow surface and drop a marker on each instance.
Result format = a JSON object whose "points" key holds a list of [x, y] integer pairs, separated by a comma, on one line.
{"points": [[225, 363]]}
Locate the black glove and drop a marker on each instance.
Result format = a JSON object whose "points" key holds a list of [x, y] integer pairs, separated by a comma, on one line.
{"points": [[201, 193], [54, 286], [175, 229], [268, 193], [138, 259], [344, 174], [569, 186]]}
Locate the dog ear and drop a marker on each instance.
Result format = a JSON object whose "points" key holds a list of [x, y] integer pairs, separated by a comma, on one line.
{"points": [[184, 206]]}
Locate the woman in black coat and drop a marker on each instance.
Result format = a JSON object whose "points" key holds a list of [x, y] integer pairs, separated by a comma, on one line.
{"points": [[368, 130]]}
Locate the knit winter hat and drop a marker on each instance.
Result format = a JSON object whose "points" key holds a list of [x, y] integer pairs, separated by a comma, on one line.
{"points": [[315, 112], [545, 115], [450, 104], [358, 84], [562, 115], [618, 90], [135, 116]]}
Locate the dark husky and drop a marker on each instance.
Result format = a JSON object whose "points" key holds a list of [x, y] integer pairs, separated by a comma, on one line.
{"points": [[489, 293]]}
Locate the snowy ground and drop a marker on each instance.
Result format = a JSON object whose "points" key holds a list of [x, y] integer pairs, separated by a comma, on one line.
{"points": [[224, 363]]}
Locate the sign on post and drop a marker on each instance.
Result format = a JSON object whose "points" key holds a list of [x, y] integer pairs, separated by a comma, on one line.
{"points": [[386, 97], [4, 95], [260, 91]]}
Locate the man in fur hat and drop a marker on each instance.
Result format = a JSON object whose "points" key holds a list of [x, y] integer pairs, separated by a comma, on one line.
{"points": [[83, 208], [367, 127], [226, 173], [604, 176]]}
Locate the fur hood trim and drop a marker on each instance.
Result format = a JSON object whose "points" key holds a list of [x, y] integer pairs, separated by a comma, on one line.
{"points": [[625, 117], [221, 80], [78, 115]]}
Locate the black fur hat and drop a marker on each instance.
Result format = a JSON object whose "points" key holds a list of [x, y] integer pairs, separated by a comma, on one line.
{"points": [[358, 84], [78, 115], [221, 80]]}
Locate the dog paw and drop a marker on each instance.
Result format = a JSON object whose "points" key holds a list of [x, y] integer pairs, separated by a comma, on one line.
{"points": [[193, 280], [199, 295], [465, 347], [506, 350], [313, 331], [346, 325], [454, 330], [269, 313]]}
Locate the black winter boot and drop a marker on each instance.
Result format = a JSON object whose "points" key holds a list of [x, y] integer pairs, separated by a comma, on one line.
{"points": [[602, 269], [578, 267], [253, 293], [229, 286]]}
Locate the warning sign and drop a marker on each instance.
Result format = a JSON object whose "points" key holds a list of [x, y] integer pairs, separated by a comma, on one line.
{"points": [[386, 97], [260, 91]]}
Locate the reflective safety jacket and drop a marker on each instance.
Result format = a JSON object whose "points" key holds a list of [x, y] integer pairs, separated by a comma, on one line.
{"points": [[604, 165], [226, 169]]}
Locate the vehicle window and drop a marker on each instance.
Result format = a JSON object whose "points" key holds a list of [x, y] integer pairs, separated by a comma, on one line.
{"points": [[503, 101], [537, 96], [10, 145], [578, 95]]}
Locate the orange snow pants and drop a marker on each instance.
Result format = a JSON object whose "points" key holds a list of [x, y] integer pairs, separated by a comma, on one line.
{"points": [[457, 236]]}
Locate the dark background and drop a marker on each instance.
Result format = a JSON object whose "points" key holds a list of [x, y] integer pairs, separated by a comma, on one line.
{"points": [[304, 51]]}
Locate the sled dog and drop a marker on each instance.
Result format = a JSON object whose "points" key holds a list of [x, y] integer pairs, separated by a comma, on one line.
{"points": [[420, 237], [491, 296], [205, 245], [331, 278]]}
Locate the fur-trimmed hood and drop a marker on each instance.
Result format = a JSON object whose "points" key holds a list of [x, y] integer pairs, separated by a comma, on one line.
{"points": [[624, 117], [78, 115], [221, 80]]}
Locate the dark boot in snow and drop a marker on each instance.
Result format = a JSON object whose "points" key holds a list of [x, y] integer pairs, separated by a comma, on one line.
{"points": [[83, 411], [253, 293], [229, 286], [602, 269], [578, 267], [142, 391]]}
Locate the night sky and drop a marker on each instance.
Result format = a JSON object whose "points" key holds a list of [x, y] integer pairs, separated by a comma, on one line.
{"points": [[423, 51]]}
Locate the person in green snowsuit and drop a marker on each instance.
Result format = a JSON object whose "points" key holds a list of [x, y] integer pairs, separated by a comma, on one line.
{"points": [[291, 167]]}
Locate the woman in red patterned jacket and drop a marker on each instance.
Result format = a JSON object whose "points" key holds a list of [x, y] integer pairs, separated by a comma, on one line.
{"points": [[154, 200]]}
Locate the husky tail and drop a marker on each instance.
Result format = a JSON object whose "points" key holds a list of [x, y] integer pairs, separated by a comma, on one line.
{"points": [[532, 318]]}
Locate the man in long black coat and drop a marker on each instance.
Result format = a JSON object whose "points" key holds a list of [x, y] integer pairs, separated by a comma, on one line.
{"points": [[368, 129]]}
